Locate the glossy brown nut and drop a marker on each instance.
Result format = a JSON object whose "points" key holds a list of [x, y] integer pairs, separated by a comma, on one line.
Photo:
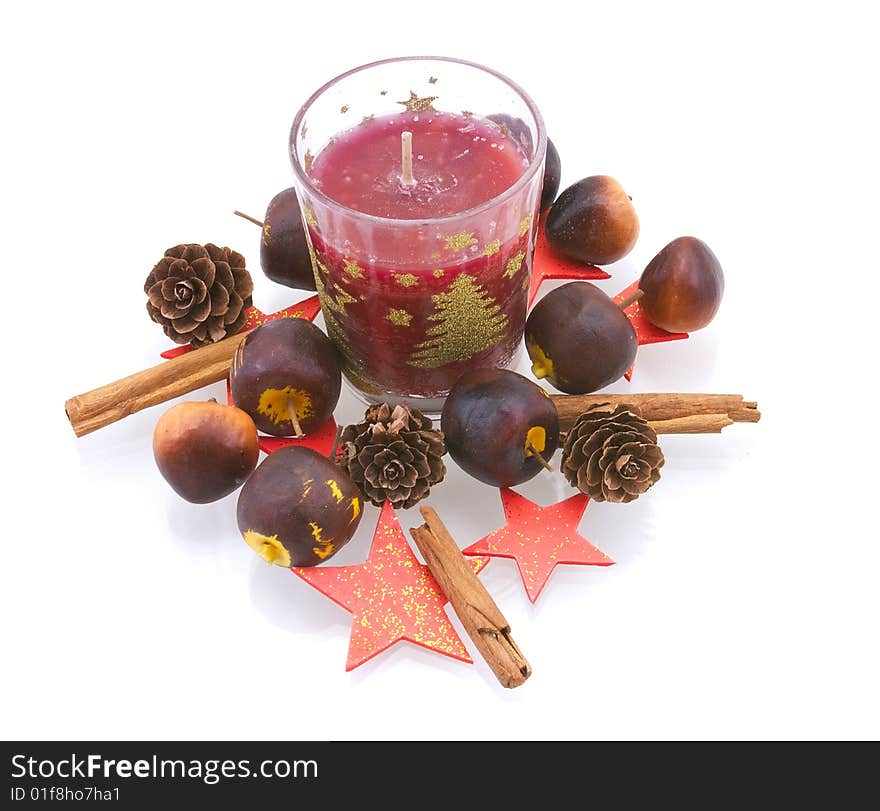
{"points": [[298, 508], [579, 339], [552, 176], [593, 221], [284, 251], [286, 363], [490, 417], [205, 450], [683, 286]]}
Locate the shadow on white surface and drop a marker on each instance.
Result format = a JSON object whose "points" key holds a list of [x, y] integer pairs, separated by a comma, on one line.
{"points": [[204, 531], [294, 606]]}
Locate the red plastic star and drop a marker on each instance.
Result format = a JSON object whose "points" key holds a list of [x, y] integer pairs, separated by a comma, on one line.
{"points": [[539, 538], [646, 332], [307, 308], [391, 596], [321, 440], [548, 264]]}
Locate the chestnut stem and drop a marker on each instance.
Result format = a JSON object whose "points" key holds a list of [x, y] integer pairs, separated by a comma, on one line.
{"points": [[532, 451], [632, 298], [336, 443], [248, 217], [291, 407], [406, 175]]}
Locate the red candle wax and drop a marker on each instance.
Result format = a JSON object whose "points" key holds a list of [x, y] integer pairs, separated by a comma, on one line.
{"points": [[450, 299], [458, 163]]}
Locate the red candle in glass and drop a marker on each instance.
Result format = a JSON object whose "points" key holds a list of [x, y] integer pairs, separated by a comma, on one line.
{"points": [[421, 274]]}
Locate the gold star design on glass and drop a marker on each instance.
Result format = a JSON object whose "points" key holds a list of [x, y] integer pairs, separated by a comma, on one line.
{"points": [[438, 274], [353, 269], [400, 318], [405, 279], [310, 217], [459, 241], [345, 108], [525, 224], [514, 265], [308, 160], [415, 104], [492, 248]]}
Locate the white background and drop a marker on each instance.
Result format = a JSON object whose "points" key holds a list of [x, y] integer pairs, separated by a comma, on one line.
{"points": [[744, 599]]}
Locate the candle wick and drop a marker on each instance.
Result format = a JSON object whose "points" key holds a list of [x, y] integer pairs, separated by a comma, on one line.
{"points": [[406, 174]]}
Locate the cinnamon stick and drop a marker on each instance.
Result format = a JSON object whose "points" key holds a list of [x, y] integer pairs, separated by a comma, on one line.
{"points": [[659, 406], [474, 606], [692, 424], [105, 405]]}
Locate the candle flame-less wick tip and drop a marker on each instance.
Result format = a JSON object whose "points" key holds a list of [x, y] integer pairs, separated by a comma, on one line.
{"points": [[406, 164]]}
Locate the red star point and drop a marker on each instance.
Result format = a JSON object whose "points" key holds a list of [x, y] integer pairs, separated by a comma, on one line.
{"points": [[646, 332], [539, 538], [391, 597], [548, 264], [307, 308]]}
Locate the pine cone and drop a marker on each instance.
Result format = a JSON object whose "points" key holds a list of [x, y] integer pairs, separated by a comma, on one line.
{"points": [[394, 455], [611, 453], [199, 294]]}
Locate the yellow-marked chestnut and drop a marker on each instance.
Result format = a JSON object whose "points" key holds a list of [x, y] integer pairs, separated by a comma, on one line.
{"points": [[298, 508], [205, 450], [499, 426], [285, 374], [579, 339]]}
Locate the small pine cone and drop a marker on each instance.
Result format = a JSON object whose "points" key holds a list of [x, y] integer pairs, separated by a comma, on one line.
{"points": [[199, 293], [611, 453], [393, 454]]}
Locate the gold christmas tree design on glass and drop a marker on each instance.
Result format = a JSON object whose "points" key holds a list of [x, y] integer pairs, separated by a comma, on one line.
{"points": [[469, 321]]}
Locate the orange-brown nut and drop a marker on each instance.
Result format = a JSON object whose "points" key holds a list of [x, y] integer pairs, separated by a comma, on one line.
{"points": [[205, 450], [593, 221]]}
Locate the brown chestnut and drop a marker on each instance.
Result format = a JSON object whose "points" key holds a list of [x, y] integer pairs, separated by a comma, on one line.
{"points": [[205, 450], [298, 508], [285, 374], [497, 424], [579, 339], [593, 221], [682, 286]]}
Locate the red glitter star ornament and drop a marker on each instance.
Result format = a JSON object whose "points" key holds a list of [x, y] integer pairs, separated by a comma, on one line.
{"points": [[646, 332], [539, 538], [307, 308], [548, 264], [391, 596]]}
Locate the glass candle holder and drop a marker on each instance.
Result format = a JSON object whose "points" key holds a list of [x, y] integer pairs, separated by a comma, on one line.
{"points": [[420, 181]]}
